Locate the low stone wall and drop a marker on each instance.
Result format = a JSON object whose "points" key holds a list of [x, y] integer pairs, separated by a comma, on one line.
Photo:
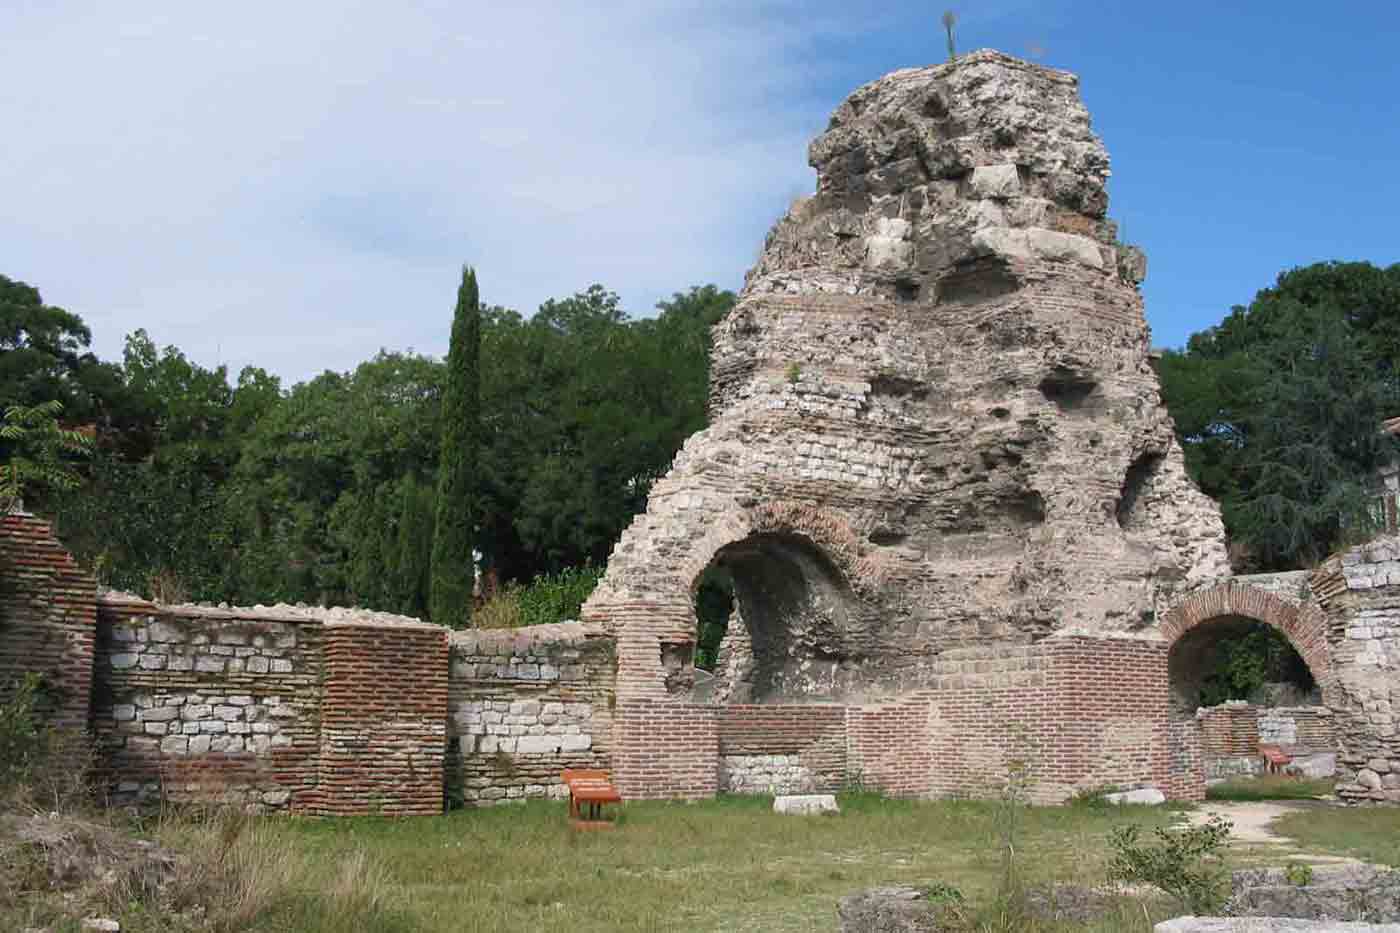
{"points": [[307, 711], [1360, 592], [524, 705], [206, 704]]}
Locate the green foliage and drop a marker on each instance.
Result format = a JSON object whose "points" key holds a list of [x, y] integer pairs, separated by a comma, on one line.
{"points": [[950, 20], [557, 597], [38, 452], [453, 576], [714, 604], [21, 737], [1299, 874], [1278, 410], [793, 373], [1184, 862], [252, 492], [1244, 663]]}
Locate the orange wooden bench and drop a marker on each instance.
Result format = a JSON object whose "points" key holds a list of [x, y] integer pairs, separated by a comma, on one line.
{"points": [[590, 789], [1275, 759]]}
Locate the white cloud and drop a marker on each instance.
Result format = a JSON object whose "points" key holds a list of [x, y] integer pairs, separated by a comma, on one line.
{"points": [[296, 185]]}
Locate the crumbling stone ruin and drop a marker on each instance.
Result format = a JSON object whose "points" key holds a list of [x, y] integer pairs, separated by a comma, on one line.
{"points": [[934, 422]]}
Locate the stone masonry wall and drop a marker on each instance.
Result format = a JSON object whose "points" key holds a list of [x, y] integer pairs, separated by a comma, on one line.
{"points": [[1360, 592], [524, 705], [48, 617], [207, 704]]}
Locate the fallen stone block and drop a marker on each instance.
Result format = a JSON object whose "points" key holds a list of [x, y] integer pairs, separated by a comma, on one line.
{"points": [[1268, 925], [1323, 892], [1147, 796], [805, 803], [899, 909]]}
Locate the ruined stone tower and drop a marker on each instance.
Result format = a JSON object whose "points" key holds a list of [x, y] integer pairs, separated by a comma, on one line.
{"points": [[933, 419]]}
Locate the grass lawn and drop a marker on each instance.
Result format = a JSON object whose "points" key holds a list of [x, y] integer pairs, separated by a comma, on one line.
{"points": [[1270, 787], [729, 864], [1371, 834]]}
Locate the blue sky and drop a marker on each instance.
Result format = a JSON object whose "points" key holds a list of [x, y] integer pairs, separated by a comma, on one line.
{"points": [[296, 185]]}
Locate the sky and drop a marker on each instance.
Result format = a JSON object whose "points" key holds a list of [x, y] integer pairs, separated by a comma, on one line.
{"points": [[297, 185]]}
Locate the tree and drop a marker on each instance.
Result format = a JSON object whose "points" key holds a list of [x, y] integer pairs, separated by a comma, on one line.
{"points": [[44, 357], [40, 452], [1279, 407], [453, 565]]}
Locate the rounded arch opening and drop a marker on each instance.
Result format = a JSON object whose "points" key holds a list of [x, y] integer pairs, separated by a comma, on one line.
{"points": [[774, 618], [1236, 657]]}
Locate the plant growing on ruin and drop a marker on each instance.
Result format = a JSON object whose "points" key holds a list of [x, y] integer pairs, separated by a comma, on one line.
{"points": [[1184, 862], [793, 373], [950, 19], [453, 567]]}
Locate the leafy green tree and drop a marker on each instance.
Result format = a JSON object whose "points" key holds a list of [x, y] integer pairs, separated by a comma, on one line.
{"points": [[1279, 410], [40, 452], [453, 565], [44, 357]]}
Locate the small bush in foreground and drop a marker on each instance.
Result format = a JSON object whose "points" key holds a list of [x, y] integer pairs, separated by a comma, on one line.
{"points": [[1185, 862]]}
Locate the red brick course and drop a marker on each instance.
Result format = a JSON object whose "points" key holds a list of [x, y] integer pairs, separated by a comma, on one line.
{"points": [[48, 617], [383, 720]]}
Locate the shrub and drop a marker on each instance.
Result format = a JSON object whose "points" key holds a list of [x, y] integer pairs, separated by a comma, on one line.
{"points": [[1184, 862], [21, 738]]}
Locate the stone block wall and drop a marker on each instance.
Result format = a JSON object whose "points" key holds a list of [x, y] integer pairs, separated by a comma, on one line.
{"points": [[782, 749], [1360, 593], [48, 617], [524, 705], [383, 719], [206, 704]]}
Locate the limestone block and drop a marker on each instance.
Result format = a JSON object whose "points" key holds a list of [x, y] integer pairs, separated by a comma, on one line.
{"points": [[537, 744], [1149, 796], [208, 664], [160, 714], [995, 181], [199, 744], [576, 743], [174, 745], [805, 804], [123, 661]]}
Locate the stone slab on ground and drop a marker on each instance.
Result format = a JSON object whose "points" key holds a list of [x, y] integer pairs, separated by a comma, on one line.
{"points": [[1148, 796], [1268, 925], [1332, 893], [803, 804]]}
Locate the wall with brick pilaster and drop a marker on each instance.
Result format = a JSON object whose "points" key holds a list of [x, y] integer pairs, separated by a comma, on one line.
{"points": [[48, 617], [524, 705]]}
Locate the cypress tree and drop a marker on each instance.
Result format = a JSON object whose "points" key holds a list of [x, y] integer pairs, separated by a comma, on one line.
{"points": [[453, 568]]}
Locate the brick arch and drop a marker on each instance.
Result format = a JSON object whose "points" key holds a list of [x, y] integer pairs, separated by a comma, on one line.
{"points": [[1304, 626], [823, 529]]}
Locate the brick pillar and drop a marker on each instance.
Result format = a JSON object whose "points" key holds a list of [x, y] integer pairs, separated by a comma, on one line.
{"points": [[383, 719], [48, 616]]}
